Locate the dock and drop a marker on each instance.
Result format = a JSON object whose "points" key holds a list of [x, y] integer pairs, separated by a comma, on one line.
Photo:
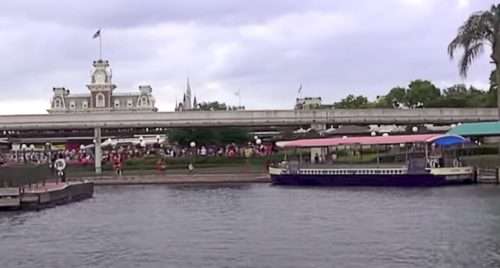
{"points": [[46, 195], [488, 175]]}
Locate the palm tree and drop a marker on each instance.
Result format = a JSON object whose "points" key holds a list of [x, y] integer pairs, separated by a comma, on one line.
{"points": [[479, 30]]}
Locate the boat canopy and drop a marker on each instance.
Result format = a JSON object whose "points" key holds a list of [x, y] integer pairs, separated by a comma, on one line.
{"points": [[438, 139]]}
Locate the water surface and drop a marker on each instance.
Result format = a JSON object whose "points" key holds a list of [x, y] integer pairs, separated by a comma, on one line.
{"points": [[257, 225]]}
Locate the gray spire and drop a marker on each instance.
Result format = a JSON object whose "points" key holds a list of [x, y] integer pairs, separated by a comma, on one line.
{"points": [[187, 104]]}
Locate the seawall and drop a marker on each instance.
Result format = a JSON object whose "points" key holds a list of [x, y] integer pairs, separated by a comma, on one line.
{"points": [[178, 178]]}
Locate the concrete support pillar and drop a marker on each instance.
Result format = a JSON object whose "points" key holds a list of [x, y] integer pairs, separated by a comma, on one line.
{"points": [[98, 153]]}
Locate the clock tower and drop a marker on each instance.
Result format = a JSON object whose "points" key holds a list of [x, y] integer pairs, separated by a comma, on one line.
{"points": [[101, 88]]}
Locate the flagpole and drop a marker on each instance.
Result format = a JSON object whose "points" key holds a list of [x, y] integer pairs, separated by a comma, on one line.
{"points": [[100, 45]]}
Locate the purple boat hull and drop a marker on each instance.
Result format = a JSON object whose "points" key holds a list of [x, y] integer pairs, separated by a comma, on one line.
{"points": [[405, 180]]}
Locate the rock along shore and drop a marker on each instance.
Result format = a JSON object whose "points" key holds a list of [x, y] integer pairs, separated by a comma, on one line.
{"points": [[177, 178]]}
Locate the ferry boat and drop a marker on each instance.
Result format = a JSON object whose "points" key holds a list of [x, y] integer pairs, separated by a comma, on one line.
{"points": [[431, 162]]}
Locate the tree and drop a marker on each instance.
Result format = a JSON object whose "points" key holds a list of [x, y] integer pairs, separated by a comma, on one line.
{"points": [[460, 95], [397, 94], [212, 106], [479, 30], [352, 102], [422, 91], [455, 90]]}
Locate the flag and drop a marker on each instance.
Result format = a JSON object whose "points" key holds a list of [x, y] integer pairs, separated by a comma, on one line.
{"points": [[97, 34], [300, 88]]}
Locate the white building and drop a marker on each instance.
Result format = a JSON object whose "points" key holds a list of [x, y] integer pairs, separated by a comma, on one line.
{"points": [[102, 97], [308, 103]]}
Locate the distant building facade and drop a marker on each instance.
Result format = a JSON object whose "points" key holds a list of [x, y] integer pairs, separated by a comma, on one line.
{"points": [[308, 103], [102, 97]]}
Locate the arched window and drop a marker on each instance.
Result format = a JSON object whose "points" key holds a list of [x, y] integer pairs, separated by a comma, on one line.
{"points": [[144, 101], [117, 103], [72, 105], [85, 104], [99, 100], [129, 103], [57, 103]]}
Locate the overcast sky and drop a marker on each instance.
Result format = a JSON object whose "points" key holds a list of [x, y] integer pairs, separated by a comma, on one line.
{"points": [[265, 48]]}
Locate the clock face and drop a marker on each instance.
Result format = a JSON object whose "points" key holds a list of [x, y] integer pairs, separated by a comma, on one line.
{"points": [[100, 77]]}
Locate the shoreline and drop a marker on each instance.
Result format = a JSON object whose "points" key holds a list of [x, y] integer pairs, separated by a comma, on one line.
{"points": [[197, 178]]}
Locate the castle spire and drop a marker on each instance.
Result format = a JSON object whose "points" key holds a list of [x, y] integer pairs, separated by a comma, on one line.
{"points": [[188, 87], [188, 103]]}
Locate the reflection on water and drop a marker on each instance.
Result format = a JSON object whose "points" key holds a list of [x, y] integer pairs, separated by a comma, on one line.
{"points": [[257, 225]]}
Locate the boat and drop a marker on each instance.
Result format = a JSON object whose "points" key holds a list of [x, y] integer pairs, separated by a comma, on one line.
{"points": [[430, 160]]}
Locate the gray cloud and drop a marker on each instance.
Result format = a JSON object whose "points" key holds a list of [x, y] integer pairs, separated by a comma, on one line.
{"points": [[266, 48]]}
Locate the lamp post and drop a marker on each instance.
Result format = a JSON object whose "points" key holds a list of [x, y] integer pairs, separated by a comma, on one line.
{"points": [[191, 165], [48, 150]]}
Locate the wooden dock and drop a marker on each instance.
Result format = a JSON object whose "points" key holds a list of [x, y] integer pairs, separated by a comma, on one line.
{"points": [[488, 175], [47, 195], [10, 197]]}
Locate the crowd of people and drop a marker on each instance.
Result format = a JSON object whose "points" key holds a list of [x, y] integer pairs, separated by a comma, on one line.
{"points": [[118, 154]]}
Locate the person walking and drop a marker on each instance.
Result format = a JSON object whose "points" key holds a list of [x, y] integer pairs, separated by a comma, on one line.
{"points": [[117, 165]]}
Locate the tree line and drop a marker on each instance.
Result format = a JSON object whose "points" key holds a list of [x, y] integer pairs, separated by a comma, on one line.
{"points": [[423, 93]]}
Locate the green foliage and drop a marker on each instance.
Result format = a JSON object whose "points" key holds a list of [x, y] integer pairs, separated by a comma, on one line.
{"points": [[209, 136], [398, 94], [461, 96], [352, 102], [217, 106], [422, 91], [480, 29], [212, 106]]}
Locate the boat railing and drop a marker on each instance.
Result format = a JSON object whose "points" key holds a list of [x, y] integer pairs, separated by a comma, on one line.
{"points": [[353, 165]]}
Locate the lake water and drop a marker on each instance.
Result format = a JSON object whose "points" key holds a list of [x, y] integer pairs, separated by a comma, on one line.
{"points": [[258, 225]]}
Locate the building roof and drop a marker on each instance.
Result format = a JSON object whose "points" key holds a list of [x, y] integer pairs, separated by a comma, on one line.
{"points": [[477, 129], [439, 139]]}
